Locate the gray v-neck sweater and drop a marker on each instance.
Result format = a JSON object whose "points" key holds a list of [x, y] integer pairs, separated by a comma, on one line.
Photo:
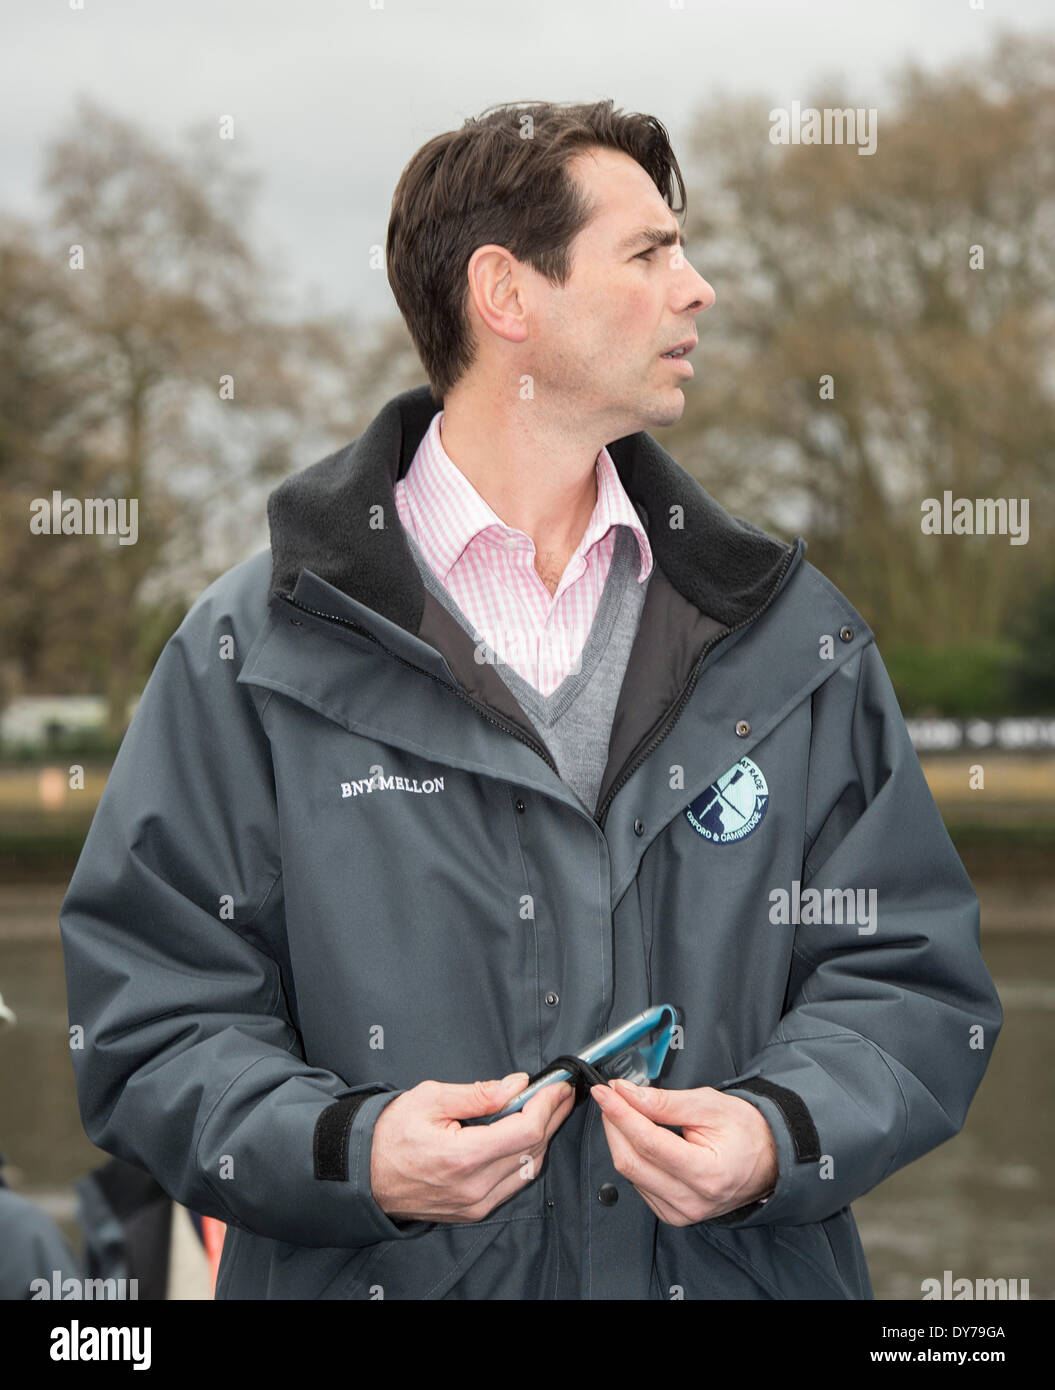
{"points": [[575, 721]]}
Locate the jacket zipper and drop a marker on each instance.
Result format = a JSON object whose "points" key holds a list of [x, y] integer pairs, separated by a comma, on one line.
{"points": [[476, 705], [674, 713]]}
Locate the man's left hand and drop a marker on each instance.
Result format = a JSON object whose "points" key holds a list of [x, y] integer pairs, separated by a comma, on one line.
{"points": [[724, 1158]]}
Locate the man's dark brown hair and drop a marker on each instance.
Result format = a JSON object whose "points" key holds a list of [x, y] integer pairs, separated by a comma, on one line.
{"points": [[501, 179]]}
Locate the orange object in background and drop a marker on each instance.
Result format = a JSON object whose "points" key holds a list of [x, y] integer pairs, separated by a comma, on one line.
{"points": [[213, 1232], [52, 788]]}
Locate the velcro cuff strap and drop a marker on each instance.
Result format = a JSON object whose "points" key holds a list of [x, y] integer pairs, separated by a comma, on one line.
{"points": [[798, 1119], [330, 1145]]}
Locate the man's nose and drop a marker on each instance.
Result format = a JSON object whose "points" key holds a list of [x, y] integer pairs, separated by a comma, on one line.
{"points": [[703, 295]]}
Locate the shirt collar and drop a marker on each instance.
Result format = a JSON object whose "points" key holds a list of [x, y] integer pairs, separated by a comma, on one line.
{"points": [[447, 509]]}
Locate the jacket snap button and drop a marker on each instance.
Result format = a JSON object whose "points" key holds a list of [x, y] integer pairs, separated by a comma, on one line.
{"points": [[847, 634], [519, 804], [639, 827], [743, 728], [552, 999], [297, 622], [608, 1194]]}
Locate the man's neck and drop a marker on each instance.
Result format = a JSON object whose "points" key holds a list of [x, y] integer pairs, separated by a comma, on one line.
{"points": [[537, 477]]}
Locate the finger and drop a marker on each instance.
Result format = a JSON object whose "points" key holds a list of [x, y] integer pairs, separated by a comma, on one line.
{"points": [[490, 1187], [657, 1150], [670, 1199], [561, 1113], [554, 1096], [558, 1096], [660, 1146], [701, 1106], [500, 1178], [535, 1125], [522, 1132], [662, 1209], [460, 1102], [506, 1185]]}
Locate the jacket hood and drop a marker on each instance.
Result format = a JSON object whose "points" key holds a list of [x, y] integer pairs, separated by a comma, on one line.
{"points": [[724, 566]]}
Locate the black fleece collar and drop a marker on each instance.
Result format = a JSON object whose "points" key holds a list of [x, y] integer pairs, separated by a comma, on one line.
{"points": [[321, 521]]}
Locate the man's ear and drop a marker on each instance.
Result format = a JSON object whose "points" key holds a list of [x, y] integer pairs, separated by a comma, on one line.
{"points": [[496, 287]]}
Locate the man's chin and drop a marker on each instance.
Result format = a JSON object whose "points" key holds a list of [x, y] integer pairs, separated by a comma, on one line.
{"points": [[655, 410], [665, 409]]}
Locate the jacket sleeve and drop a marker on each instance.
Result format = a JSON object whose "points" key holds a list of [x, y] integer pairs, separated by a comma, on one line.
{"points": [[186, 1054], [888, 1025]]}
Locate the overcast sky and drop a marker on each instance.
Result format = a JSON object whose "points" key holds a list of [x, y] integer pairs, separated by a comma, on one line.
{"points": [[330, 98]]}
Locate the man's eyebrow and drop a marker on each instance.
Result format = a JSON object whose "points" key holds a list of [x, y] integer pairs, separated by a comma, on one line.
{"points": [[651, 236]]}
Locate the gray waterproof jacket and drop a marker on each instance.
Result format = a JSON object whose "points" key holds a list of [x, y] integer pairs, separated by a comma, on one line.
{"points": [[333, 859]]}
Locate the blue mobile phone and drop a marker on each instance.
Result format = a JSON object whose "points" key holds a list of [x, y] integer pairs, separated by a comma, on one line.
{"points": [[621, 1052]]}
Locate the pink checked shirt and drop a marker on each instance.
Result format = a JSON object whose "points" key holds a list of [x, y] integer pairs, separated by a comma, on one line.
{"points": [[488, 568]]}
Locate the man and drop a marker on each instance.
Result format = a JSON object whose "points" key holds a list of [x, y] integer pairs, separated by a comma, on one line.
{"points": [[32, 1247], [513, 734]]}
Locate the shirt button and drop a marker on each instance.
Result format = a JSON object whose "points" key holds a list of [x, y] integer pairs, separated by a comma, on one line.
{"points": [[639, 827], [608, 1194], [552, 999]]}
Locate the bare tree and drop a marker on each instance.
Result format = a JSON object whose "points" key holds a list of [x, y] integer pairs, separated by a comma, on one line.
{"points": [[830, 263], [156, 361]]}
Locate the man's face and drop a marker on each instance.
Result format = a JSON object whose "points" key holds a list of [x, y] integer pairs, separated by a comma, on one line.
{"points": [[597, 340]]}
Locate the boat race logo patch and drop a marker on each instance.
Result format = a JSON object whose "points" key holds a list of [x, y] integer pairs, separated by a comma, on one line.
{"points": [[733, 807]]}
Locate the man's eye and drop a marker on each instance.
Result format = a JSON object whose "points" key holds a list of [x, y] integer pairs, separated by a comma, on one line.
{"points": [[646, 253]]}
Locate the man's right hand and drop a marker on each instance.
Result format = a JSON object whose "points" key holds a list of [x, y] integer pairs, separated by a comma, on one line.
{"points": [[426, 1166]]}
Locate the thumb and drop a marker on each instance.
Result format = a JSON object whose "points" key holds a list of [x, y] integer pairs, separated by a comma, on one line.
{"points": [[696, 1107], [479, 1097]]}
